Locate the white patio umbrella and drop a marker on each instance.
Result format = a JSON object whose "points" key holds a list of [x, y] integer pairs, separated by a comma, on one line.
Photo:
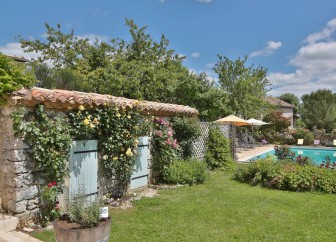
{"points": [[255, 122]]}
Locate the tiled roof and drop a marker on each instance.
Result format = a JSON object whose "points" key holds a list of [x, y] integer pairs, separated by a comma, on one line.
{"points": [[63, 99], [278, 102]]}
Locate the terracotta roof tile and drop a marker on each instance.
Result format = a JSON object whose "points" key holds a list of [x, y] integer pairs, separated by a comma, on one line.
{"points": [[63, 99]]}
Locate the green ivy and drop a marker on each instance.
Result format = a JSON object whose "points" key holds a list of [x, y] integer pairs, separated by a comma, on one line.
{"points": [[117, 130], [49, 139]]}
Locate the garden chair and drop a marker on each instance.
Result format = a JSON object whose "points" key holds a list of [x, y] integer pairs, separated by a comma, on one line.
{"points": [[300, 141], [316, 142], [264, 142]]}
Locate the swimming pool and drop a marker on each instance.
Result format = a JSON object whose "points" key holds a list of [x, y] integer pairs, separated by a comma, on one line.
{"points": [[316, 154]]}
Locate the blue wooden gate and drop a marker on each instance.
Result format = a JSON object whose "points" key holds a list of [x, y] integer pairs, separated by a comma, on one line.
{"points": [[139, 177], [84, 168]]}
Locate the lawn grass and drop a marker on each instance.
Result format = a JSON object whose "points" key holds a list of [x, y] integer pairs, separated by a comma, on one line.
{"points": [[225, 210]]}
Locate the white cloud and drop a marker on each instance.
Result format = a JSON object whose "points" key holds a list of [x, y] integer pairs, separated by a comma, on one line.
{"points": [[162, 1], [314, 65], [324, 34], [271, 46], [15, 49], [195, 55], [204, 1]]}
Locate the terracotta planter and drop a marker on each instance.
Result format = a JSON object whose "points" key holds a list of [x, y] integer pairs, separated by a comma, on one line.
{"points": [[65, 232]]}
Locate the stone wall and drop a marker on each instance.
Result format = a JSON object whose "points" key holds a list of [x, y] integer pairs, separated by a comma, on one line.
{"points": [[18, 188]]}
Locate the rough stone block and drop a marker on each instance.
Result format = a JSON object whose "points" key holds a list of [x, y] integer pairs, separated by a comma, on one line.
{"points": [[14, 155], [13, 143], [21, 167], [26, 193], [18, 207]]}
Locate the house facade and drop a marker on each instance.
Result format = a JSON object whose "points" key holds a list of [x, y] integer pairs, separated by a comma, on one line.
{"points": [[285, 108]]}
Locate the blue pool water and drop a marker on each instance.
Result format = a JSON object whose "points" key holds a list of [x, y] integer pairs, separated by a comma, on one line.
{"points": [[316, 154]]}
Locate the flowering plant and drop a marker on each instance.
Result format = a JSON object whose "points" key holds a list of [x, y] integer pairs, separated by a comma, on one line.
{"points": [[165, 147], [51, 206]]}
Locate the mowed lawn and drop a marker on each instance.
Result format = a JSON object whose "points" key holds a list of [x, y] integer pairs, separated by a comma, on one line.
{"points": [[226, 210]]}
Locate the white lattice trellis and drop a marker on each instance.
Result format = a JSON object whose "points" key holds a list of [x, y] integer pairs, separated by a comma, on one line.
{"points": [[199, 145]]}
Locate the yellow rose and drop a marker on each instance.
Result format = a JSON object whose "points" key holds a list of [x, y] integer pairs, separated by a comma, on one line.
{"points": [[129, 152], [95, 121], [118, 115], [136, 102], [86, 122], [81, 107], [115, 158], [105, 157], [92, 126]]}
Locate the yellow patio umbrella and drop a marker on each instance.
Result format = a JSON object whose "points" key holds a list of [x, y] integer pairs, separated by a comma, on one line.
{"points": [[234, 121]]}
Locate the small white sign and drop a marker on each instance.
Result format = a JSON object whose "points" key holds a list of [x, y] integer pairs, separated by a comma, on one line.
{"points": [[104, 212]]}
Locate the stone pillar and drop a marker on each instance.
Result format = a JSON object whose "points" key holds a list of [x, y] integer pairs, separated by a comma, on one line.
{"points": [[18, 191]]}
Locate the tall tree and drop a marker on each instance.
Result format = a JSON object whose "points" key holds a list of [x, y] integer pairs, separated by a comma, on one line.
{"points": [[319, 109], [201, 93], [141, 69], [244, 85], [13, 76]]}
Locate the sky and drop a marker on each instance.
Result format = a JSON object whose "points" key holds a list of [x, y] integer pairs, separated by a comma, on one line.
{"points": [[294, 39]]}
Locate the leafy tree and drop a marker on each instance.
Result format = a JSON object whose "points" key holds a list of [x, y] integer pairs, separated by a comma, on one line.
{"points": [[199, 92], [292, 99], [245, 86], [319, 109], [277, 121], [13, 76], [140, 68]]}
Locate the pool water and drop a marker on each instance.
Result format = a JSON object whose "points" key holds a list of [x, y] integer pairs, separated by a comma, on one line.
{"points": [[316, 154]]}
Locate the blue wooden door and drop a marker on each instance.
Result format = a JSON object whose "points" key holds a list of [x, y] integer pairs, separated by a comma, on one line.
{"points": [[84, 168], [139, 177]]}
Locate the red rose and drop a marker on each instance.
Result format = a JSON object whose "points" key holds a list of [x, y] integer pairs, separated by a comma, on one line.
{"points": [[54, 183], [50, 185], [57, 202]]}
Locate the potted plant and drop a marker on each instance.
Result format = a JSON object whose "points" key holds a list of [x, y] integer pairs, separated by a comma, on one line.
{"points": [[79, 219]]}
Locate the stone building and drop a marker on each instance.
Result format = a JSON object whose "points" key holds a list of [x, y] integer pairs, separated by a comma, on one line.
{"points": [[285, 108], [19, 187]]}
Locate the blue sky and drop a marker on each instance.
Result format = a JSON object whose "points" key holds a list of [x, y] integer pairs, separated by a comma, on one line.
{"points": [[294, 39]]}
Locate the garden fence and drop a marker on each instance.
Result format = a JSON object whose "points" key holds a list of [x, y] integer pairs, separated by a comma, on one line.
{"points": [[199, 144]]}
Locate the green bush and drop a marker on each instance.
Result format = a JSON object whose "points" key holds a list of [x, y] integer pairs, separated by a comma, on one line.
{"points": [[305, 134], [288, 175], [189, 171], [185, 131], [218, 153], [79, 209]]}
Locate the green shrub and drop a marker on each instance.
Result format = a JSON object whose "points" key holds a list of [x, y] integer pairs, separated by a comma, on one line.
{"points": [[288, 175], [185, 131], [79, 209], [218, 153], [189, 171], [305, 134]]}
